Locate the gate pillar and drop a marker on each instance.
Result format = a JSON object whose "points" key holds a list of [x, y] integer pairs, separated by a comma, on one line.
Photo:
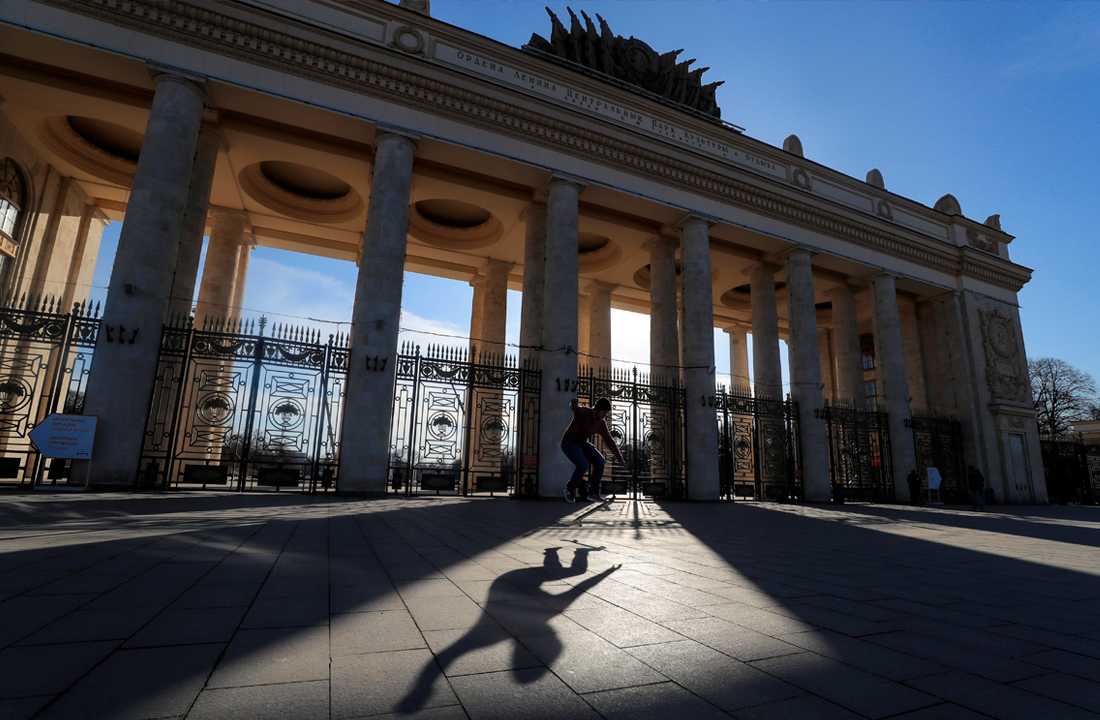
{"points": [[375, 319], [767, 374], [559, 330], [700, 415], [806, 383], [849, 364], [124, 364], [895, 387], [664, 336], [211, 142]]}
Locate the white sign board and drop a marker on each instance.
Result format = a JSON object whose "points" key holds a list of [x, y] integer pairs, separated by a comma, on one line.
{"points": [[65, 436], [933, 478]]}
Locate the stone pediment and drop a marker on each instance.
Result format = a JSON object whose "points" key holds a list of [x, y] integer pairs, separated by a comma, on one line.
{"points": [[629, 60]]}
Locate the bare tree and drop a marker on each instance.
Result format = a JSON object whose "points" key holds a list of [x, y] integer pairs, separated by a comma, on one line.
{"points": [[1062, 394]]}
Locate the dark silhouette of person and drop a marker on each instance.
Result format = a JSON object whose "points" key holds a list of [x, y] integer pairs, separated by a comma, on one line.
{"points": [[914, 488], [530, 579]]}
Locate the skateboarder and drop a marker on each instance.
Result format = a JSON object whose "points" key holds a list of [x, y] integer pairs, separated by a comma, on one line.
{"points": [[574, 443]]}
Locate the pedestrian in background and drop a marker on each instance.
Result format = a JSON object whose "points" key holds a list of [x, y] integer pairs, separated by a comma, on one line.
{"points": [[976, 482]]}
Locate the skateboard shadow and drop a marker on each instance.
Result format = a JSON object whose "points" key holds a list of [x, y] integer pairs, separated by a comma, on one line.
{"points": [[530, 579]]}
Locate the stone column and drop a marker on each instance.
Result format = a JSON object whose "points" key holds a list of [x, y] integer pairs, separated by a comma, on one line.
{"points": [[893, 386], [828, 365], [739, 358], [664, 331], [914, 355], [805, 363], [211, 142], [477, 316], [485, 403], [767, 371], [559, 331], [534, 262], [375, 319], [699, 372], [244, 255], [127, 350], [599, 325], [220, 269], [494, 319], [584, 330], [849, 358], [85, 250]]}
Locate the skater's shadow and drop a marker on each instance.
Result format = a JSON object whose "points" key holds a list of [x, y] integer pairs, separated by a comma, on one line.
{"points": [[535, 622]]}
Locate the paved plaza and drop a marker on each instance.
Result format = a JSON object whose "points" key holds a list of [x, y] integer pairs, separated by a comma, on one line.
{"points": [[283, 605]]}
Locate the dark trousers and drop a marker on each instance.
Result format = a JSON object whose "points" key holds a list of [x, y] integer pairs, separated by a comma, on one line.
{"points": [[583, 456]]}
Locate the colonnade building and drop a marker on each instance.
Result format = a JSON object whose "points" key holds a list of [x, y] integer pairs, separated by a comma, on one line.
{"points": [[587, 171]]}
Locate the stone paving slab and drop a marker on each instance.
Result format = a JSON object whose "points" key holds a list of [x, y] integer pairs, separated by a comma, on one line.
{"points": [[289, 606]]}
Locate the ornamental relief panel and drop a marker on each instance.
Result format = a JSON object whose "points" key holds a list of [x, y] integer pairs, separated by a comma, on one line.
{"points": [[974, 239], [1003, 369]]}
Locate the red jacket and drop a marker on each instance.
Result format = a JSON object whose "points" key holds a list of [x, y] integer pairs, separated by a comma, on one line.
{"points": [[585, 424]]}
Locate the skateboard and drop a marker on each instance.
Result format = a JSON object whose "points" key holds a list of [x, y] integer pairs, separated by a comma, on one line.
{"points": [[588, 511]]}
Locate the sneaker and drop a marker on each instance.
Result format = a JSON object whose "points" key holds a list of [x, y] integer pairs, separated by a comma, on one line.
{"points": [[569, 495], [596, 499]]}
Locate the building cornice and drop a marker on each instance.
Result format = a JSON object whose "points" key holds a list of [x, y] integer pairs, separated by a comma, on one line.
{"points": [[220, 33]]}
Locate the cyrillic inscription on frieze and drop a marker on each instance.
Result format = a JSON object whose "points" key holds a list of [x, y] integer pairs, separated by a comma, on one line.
{"points": [[601, 106]]}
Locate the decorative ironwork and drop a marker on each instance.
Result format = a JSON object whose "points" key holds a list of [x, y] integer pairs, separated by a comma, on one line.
{"points": [[938, 444], [647, 423], [236, 407], [463, 423], [758, 446], [45, 356], [1072, 470], [859, 453]]}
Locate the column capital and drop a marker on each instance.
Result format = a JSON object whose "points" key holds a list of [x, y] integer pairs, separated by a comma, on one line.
{"points": [[661, 240], [877, 275], [600, 287], [534, 210], [162, 72], [738, 327], [496, 265], [693, 217], [843, 289], [382, 131], [796, 250], [227, 212], [477, 280], [761, 268], [559, 178]]}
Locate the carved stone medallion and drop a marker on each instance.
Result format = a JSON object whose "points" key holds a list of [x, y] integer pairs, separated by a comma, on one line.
{"points": [[1002, 357]]}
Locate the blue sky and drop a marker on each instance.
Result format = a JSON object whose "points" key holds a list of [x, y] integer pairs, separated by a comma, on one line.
{"points": [[993, 102]]}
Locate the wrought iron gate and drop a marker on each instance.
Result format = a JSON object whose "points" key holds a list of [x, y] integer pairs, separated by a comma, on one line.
{"points": [[463, 424], [236, 409], [859, 454], [45, 357], [1072, 470], [758, 447], [938, 444], [647, 424]]}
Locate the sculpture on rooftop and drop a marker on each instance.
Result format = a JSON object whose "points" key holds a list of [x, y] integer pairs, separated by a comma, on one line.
{"points": [[629, 60]]}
